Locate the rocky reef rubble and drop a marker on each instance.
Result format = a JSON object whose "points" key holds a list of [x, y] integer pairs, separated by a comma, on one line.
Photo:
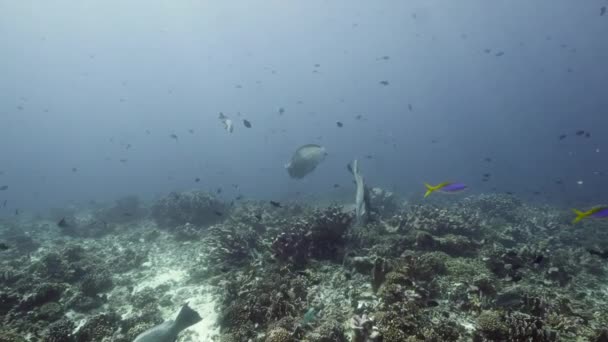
{"points": [[482, 268], [195, 207]]}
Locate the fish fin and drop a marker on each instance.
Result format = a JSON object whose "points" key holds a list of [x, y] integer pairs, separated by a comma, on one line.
{"points": [[580, 215], [186, 317], [430, 189]]}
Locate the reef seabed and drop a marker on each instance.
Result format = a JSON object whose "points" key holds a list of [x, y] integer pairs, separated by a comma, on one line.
{"points": [[484, 268]]}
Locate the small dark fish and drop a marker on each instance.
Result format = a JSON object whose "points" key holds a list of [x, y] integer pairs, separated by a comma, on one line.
{"points": [[4, 204], [432, 303], [336, 185], [236, 186], [317, 65], [128, 146], [562, 136], [486, 175], [509, 193], [16, 212], [602, 11], [238, 86], [587, 135], [197, 179], [63, 223], [218, 213], [487, 159], [3, 246], [123, 160], [603, 255], [559, 182], [384, 83], [349, 168], [258, 216], [386, 58], [74, 169], [410, 107], [173, 136], [369, 156], [487, 50], [539, 258], [238, 197], [276, 204], [536, 192], [148, 131], [4, 187], [281, 111], [247, 123], [191, 131], [499, 53], [580, 132], [434, 141], [358, 117], [218, 190], [339, 124]]}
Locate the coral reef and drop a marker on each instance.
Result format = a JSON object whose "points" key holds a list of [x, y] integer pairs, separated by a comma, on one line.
{"points": [[318, 236], [484, 268]]}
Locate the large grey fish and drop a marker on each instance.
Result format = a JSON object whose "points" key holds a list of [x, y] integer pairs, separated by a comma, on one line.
{"points": [[305, 160], [168, 330]]}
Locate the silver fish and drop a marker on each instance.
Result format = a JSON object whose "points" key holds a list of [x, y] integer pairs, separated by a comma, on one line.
{"points": [[227, 123], [305, 160], [168, 330], [360, 205]]}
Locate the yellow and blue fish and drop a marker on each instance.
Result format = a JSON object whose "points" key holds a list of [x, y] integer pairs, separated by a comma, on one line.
{"points": [[449, 187], [596, 212]]}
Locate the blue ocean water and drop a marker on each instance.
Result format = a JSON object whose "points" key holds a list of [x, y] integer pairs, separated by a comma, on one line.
{"points": [[85, 85]]}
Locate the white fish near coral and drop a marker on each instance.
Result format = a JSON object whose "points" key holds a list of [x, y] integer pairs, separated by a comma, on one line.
{"points": [[227, 123], [305, 160], [360, 209]]}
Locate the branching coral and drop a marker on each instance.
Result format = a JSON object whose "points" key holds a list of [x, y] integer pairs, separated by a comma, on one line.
{"points": [[363, 329], [319, 236]]}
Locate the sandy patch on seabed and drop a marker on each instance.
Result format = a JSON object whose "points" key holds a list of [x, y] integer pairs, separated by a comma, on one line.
{"points": [[162, 271]]}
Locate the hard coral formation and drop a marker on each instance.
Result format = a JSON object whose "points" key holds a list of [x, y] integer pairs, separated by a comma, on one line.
{"points": [[228, 246], [318, 236], [60, 331], [99, 328], [363, 329], [383, 202]]}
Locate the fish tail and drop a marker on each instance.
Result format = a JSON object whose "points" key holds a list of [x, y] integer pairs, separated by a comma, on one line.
{"points": [[580, 215], [186, 317], [430, 189]]}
